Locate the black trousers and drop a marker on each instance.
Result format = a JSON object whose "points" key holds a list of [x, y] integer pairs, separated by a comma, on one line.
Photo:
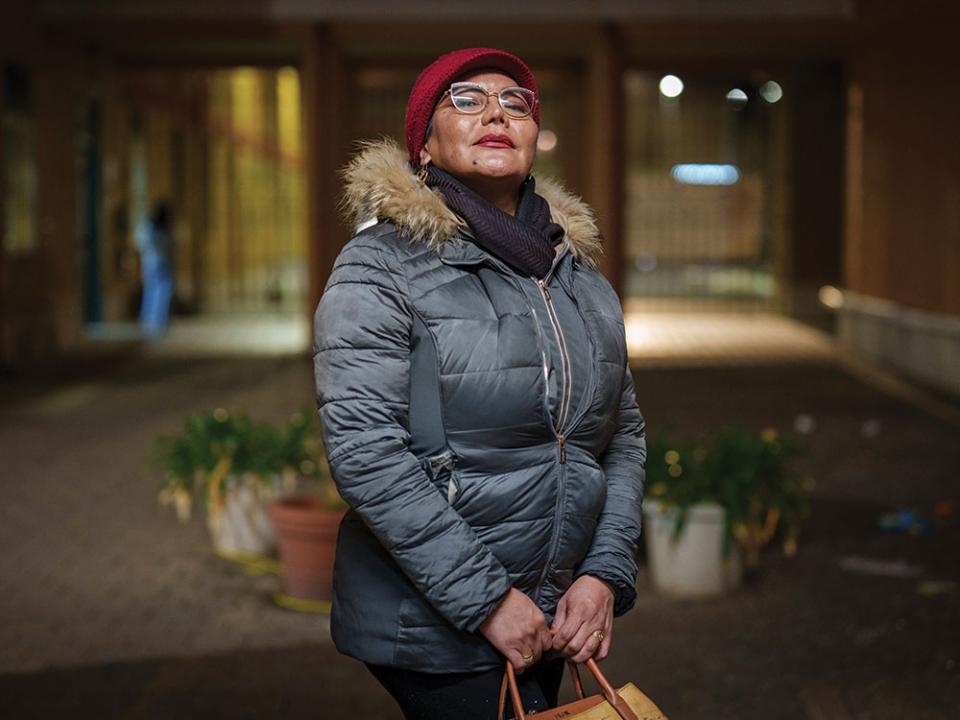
{"points": [[468, 696]]}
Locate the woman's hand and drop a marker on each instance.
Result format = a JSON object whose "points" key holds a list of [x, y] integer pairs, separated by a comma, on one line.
{"points": [[518, 629], [585, 608]]}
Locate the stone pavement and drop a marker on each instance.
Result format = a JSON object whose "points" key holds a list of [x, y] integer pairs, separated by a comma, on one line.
{"points": [[96, 570], [110, 608]]}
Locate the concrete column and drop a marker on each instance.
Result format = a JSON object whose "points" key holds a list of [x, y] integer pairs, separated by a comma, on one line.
{"points": [[59, 280], [5, 358], [197, 200], [604, 159], [814, 241], [326, 120]]}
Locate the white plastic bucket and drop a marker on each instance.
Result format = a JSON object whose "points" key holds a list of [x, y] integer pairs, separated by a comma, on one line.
{"points": [[242, 524], [694, 565]]}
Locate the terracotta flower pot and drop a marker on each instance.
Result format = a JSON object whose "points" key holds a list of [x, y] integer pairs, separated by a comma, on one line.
{"points": [[306, 538]]}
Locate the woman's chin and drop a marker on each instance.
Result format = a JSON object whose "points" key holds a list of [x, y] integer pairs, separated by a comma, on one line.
{"points": [[497, 172]]}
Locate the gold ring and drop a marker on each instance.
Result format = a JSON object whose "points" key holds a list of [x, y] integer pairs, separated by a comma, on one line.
{"points": [[527, 659], [598, 634]]}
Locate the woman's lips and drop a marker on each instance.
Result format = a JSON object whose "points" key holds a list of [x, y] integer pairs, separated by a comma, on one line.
{"points": [[495, 141]]}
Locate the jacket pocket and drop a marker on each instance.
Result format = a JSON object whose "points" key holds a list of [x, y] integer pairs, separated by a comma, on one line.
{"points": [[441, 469]]}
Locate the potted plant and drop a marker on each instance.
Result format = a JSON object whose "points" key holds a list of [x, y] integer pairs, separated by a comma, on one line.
{"points": [[306, 525], [713, 503], [235, 466]]}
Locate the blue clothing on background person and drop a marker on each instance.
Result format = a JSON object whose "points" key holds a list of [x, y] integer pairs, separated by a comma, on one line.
{"points": [[154, 242]]}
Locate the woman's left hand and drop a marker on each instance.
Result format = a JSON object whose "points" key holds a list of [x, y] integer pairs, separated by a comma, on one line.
{"points": [[586, 607]]}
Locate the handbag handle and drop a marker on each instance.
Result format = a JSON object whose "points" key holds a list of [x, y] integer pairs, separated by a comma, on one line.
{"points": [[613, 697]]}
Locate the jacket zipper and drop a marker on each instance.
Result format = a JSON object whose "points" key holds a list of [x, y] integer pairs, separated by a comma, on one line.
{"points": [[555, 537], [559, 429], [565, 371]]}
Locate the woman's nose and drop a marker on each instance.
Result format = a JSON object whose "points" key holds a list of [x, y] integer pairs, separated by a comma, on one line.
{"points": [[493, 111]]}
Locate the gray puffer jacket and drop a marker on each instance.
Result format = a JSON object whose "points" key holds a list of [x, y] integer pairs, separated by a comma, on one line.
{"points": [[482, 426]]}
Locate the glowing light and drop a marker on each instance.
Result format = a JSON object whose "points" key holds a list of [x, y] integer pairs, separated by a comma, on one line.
{"points": [[546, 141], [671, 86], [831, 297], [639, 336], [771, 91], [705, 174], [804, 424], [737, 95], [672, 457]]}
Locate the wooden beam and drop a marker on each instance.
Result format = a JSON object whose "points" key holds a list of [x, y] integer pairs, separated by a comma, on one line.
{"points": [[326, 118], [604, 148]]}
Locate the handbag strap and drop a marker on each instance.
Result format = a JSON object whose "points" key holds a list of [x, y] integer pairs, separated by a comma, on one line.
{"points": [[575, 676], [613, 697]]}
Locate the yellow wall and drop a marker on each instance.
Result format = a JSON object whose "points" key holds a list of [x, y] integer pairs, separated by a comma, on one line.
{"points": [[256, 252]]}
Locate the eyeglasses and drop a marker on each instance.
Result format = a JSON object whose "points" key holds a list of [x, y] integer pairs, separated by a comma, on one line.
{"points": [[471, 99]]}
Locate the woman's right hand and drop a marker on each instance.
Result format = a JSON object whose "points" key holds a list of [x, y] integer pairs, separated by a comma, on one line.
{"points": [[518, 628]]}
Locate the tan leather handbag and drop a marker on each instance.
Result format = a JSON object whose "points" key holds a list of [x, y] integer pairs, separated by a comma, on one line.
{"points": [[627, 703]]}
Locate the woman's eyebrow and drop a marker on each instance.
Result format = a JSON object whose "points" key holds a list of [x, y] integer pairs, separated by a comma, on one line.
{"points": [[484, 87]]}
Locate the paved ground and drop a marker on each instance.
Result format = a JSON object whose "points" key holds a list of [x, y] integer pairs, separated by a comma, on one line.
{"points": [[111, 608]]}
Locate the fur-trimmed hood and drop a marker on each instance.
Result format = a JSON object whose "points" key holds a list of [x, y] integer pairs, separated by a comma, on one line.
{"points": [[379, 183]]}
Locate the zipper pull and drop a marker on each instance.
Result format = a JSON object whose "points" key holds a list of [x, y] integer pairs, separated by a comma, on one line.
{"points": [[543, 288], [562, 443]]}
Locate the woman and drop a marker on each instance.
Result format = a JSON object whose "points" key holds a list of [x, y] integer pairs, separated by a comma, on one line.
{"points": [[478, 411]]}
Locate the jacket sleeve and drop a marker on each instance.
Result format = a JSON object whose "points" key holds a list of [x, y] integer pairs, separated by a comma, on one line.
{"points": [[362, 372], [612, 555]]}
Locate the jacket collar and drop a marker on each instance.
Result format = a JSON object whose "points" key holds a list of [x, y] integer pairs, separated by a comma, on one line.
{"points": [[379, 183], [469, 253]]}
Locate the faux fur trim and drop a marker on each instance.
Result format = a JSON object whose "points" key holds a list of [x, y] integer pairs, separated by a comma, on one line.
{"points": [[379, 183]]}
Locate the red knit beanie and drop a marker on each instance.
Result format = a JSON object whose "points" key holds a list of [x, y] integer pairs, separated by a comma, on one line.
{"points": [[438, 75]]}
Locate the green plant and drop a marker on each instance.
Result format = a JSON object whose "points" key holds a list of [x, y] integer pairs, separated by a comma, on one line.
{"points": [[219, 447], [748, 473]]}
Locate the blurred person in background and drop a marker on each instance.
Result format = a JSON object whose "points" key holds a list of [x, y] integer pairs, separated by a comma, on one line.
{"points": [[478, 411], [154, 242]]}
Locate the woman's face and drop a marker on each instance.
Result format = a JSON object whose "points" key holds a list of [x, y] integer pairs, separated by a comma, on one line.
{"points": [[456, 143]]}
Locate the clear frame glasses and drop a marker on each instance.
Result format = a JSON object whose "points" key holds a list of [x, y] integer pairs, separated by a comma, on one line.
{"points": [[471, 99]]}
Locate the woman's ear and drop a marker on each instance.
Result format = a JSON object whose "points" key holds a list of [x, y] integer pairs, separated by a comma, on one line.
{"points": [[424, 157]]}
